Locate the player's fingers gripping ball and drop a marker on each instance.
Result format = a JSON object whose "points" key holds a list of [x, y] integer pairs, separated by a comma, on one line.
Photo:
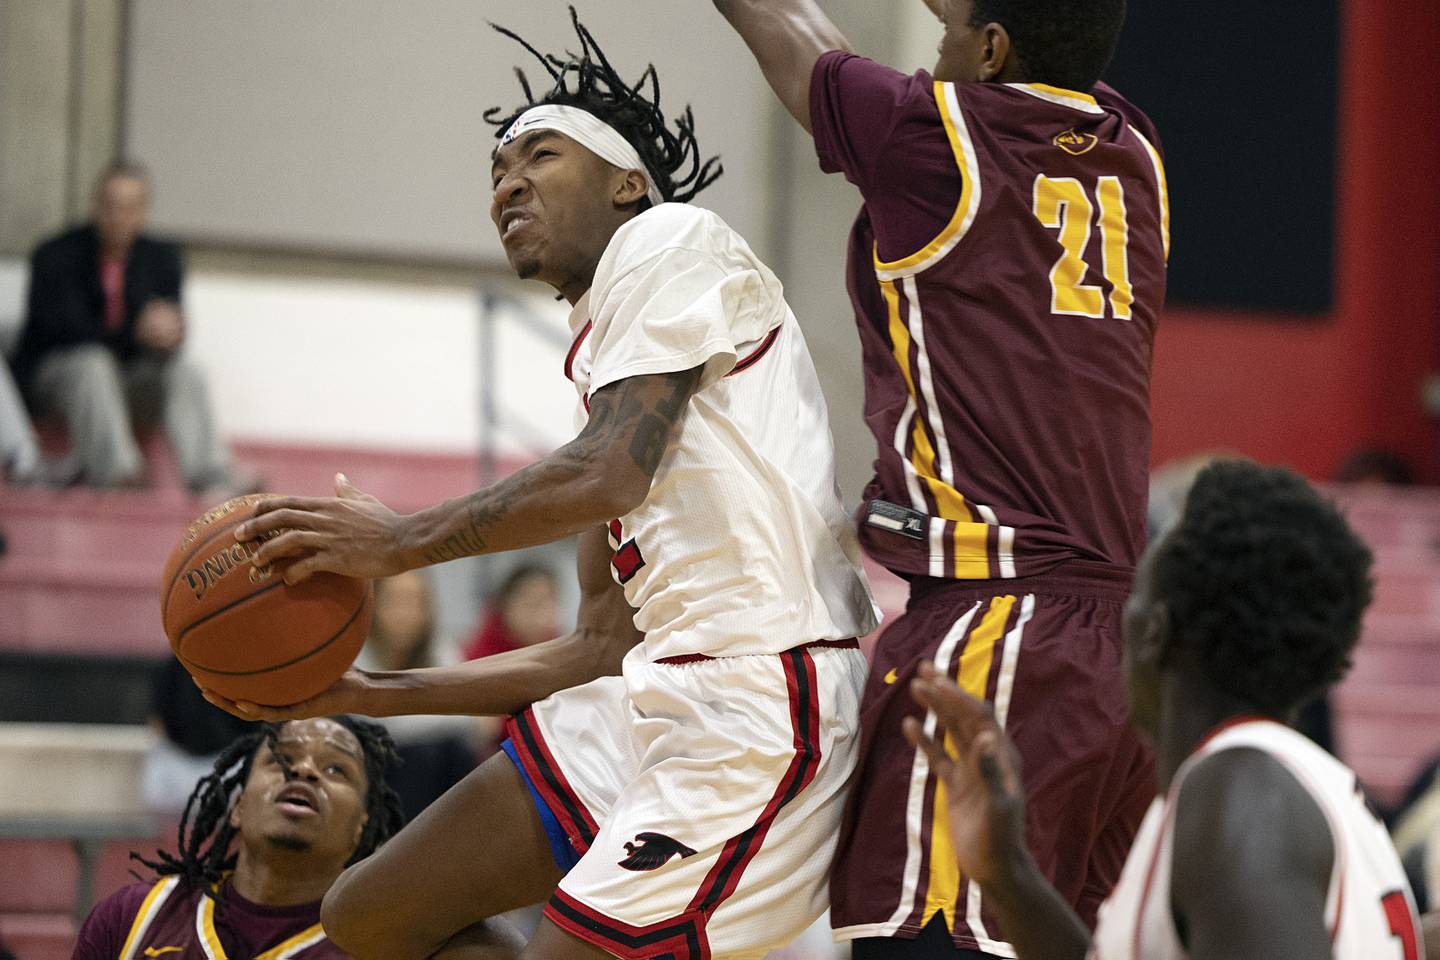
{"points": [[241, 631]]}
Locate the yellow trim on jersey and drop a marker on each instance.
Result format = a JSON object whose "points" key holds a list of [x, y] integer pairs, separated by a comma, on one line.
{"points": [[205, 926], [1161, 182], [210, 939], [148, 907], [970, 538], [969, 189], [313, 934], [949, 503], [972, 550], [1063, 92], [974, 675]]}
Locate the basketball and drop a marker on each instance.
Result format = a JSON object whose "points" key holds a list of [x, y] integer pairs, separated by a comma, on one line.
{"points": [[241, 631]]}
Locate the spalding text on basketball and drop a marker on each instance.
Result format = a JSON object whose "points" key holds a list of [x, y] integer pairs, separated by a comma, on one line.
{"points": [[220, 564]]}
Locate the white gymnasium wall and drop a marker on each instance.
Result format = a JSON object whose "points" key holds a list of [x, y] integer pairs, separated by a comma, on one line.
{"points": [[373, 364], [386, 365], [357, 125]]}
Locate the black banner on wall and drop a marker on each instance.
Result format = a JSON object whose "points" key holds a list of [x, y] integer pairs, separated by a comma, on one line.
{"points": [[1245, 97]]}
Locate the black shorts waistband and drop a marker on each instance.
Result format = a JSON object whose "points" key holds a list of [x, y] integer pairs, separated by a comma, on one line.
{"points": [[849, 644]]}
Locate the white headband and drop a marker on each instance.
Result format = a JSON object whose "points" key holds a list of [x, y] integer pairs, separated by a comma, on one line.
{"points": [[590, 132]]}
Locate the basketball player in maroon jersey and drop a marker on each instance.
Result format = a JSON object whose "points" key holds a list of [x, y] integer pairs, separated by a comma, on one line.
{"points": [[1006, 270], [309, 798]]}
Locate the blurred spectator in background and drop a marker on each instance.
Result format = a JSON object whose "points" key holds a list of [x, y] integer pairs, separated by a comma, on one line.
{"points": [[283, 811], [19, 452], [524, 610], [1170, 484], [435, 752], [100, 346], [1417, 834], [1375, 466], [192, 735]]}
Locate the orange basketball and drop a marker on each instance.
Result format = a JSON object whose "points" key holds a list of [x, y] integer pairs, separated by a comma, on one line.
{"points": [[241, 631]]}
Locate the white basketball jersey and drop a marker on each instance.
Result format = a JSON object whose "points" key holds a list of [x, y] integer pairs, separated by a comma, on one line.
{"points": [[1369, 909], [742, 545]]}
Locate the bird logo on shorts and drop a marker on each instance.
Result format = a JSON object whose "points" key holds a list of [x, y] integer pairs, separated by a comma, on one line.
{"points": [[651, 851]]}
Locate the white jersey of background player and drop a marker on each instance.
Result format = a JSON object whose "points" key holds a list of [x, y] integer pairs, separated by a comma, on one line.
{"points": [[1369, 913]]}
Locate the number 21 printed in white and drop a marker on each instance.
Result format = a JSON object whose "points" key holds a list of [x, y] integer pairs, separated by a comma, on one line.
{"points": [[1061, 203]]}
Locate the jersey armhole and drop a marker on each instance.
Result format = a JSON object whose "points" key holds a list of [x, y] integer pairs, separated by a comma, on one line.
{"points": [[965, 160]]}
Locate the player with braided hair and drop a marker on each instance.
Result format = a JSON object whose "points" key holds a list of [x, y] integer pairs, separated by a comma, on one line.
{"points": [[1261, 844], [589, 82], [676, 768], [263, 836]]}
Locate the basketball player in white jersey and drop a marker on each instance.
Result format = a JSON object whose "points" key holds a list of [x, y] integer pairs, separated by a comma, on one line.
{"points": [[1260, 844], [689, 806]]}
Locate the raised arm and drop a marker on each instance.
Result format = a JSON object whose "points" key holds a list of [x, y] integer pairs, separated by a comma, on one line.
{"points": [[603, 473], [493, 686], [786, 37]]}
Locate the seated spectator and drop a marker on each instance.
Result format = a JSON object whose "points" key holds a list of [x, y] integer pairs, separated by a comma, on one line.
{"points": [[298, 802], [19, 452], [436, 752], [101, 342], [192, 735], [1375, 466], [524, 611]]}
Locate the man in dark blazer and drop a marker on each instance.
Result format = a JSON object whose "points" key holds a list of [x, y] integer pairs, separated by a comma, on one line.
{"points": [[101, 344]]}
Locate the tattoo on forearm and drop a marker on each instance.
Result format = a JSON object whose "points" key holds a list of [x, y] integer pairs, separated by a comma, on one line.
{"points": [[644, 409], [653, 420], [463, 543]]}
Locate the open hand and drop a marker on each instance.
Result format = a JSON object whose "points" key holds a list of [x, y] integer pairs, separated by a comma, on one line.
{"points": [[352, 534], [346, 695], [980, 768]]}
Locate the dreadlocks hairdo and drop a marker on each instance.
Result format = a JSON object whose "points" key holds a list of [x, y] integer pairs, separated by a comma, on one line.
{"points": [[1065, 43], [1265, 584], [204, 856], [587, 80]]}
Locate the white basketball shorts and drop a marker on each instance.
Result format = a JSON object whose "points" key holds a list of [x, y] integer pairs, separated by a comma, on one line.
{"points": [[703, 797]]}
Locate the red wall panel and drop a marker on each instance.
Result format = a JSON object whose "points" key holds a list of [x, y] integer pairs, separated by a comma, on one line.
{"points": [[1303, 391]]}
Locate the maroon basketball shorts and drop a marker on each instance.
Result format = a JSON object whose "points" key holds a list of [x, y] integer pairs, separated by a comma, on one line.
{"points": [[1045, 652]]}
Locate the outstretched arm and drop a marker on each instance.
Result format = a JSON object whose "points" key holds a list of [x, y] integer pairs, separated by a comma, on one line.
{"points": [[980, 768], [786, 37], [603, 473], [493, 686]]}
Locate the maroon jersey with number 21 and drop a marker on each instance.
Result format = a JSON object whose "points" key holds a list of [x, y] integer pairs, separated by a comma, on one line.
{"points": [[1007, 271]]}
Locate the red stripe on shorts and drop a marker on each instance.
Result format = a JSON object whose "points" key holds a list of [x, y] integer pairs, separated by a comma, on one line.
{"points": [[550, 780], [739, 850], [682, 938]]}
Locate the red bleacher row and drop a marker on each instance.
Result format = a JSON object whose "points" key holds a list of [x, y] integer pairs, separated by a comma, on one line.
{"points": [[83, 568]]}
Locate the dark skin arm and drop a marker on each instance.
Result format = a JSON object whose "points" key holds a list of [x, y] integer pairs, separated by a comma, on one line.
{"points": [[603, 473], [1252, 862], [986, 805], [493, 686], [786, 37]]}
